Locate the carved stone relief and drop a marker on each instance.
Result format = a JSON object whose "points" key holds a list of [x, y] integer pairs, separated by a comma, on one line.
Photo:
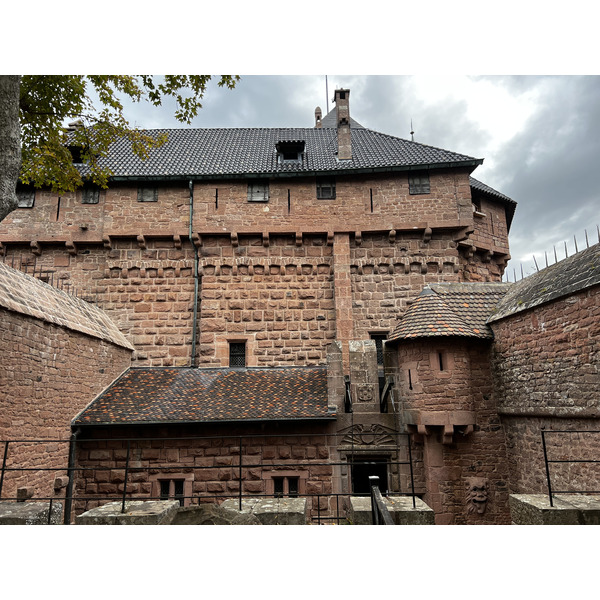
{"points": [[477, 494]]}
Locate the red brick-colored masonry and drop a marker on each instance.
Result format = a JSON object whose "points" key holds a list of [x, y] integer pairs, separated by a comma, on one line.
{"points": [[450, 409], [102, 453], [547, 375], [49, 373]]}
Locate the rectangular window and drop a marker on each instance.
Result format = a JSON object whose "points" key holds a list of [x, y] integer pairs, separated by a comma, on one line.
{"points": [[90, 195], [147, 194], [258, 192], [172, 489], [286, 486], [419, 184], [237, 354], [325, 189], [26, 198]]}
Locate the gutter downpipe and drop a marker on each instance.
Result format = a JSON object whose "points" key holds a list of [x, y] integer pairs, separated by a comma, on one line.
{"points": [[70, 472], [195, 319]]}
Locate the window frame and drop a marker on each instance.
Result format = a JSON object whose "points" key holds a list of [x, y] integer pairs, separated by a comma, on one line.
{"points": [[237, 355], [90, 191], [419, 183], [144, 191], [255, 194], [25, 198], [326, 183]]}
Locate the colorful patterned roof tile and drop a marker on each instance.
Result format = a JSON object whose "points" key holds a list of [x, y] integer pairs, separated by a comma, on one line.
{"points": [[187, 395]]}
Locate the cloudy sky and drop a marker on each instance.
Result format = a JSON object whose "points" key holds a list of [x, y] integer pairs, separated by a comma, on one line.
{"points": [[539, 136]]}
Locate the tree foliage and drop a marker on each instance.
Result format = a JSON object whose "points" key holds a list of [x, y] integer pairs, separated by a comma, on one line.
{"points": [[49, 103]]}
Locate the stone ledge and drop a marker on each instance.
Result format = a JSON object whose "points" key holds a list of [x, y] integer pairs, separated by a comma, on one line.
{"points": [[272, 511], [30, 513], [137, 512], [400, 507], [571, 509]]}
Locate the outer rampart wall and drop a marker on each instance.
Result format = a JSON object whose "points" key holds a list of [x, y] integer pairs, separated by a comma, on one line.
{"points": [[546, 365], [49, 374]]}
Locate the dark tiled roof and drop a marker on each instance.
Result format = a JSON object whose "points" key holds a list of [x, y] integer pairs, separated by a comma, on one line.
{"points": [[510, 204], [578, 272], [214, 153], [451, 309], [29, 296], [330, 120], [186, 395]]}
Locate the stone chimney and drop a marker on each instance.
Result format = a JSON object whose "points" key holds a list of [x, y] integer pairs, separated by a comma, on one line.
{"points": [[318, 117], [342, 109]]}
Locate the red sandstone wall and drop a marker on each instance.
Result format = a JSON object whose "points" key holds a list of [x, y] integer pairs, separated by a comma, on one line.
{"points": [[362, 203], [48, 375], [444, 396], [490, 227], [547, 374], [276, 291], [217, 475], [279, 298]]}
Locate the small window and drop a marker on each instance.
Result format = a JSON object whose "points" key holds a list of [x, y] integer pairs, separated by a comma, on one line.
{"points": [[379, 338], [237, 354], [26, 198], [90, 195], [258, 192], [419, 184], [286, 486], [172, 489], [147, 194], [325, 189]]}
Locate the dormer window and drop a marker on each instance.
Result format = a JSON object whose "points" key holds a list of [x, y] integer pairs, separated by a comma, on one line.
{"points": [[290, 151]]}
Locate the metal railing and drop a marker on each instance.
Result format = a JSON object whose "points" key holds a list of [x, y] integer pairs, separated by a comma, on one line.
{"points": [[568, 461], [380, 513], [323, 506]]}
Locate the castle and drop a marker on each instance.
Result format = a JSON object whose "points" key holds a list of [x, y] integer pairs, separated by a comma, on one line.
{"points": [[331, 296]]}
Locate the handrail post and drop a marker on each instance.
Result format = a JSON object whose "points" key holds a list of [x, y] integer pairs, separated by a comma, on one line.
{"points": [[412, 477], [240, 486], [126, 475], [373, 483], [547, 467], [3, 466]]}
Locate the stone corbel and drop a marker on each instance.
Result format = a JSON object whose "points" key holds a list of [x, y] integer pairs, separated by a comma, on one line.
{"points": [[462, 234], [177, 241], [265, 239], [235, 242], [447, 434], [107, 242], [298, 238], [36, 248], [196, 240], [71, 248], [427, 235], [487, 256], [392, 236], [141, 240], [358, 238], [467, 247], [2, 249], [330, 238]]}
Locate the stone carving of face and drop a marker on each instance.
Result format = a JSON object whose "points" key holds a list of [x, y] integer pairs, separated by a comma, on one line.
{"points": [[477, 494]]}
